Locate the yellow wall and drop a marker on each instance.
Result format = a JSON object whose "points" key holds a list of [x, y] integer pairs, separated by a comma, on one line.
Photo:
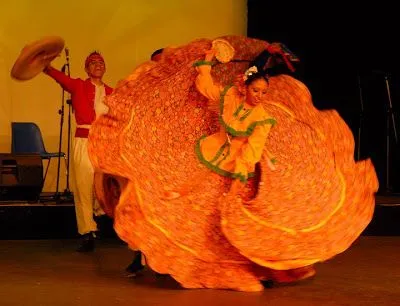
{"points": [[124, 31]]}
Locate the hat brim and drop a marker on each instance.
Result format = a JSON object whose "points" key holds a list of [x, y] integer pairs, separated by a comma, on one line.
{"points": [[35, 56]]}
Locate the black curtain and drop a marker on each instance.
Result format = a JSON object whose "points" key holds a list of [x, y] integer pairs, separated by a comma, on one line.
{"points": [[343, 50]]}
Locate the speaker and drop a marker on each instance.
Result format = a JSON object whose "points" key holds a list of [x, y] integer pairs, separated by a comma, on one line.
{"points": [[21, 177]]}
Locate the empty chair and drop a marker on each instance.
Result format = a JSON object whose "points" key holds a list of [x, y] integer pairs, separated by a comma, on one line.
{"points": [[27, 139]]}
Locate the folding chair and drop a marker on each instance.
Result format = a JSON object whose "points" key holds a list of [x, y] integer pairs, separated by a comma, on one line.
{"points": [[27, 139]]}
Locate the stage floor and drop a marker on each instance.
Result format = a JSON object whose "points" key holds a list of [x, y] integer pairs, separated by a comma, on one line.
{"points": [[23, 221], [385, 200], [50, 272]]}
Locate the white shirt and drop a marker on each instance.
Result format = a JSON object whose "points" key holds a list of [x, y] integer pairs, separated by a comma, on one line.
{"points": [[99, 107]]}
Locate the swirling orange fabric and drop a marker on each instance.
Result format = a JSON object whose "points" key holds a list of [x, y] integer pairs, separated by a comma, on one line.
{"points": [[313, 206]]}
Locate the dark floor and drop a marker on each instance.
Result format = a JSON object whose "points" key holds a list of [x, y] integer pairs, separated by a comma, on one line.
{"points": [[49, 272]]}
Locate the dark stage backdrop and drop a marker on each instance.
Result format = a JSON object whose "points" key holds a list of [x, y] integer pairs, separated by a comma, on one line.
{"points": [[343, 50]]}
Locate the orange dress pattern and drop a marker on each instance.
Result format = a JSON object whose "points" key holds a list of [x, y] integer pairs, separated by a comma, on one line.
{"points": [[313, 206]]}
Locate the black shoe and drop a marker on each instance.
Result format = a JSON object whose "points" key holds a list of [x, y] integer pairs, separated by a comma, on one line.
{"points": [[160, 274], [136, 266], [268, 283], [87, 243]]}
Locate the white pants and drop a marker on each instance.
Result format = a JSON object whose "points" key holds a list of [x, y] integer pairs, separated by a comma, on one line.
{"points": [[86, 206]]}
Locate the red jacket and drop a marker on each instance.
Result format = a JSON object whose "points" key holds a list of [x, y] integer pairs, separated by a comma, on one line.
{"points": [[82, 95]]}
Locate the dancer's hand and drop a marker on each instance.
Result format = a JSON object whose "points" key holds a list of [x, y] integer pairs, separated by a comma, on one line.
{"points": [[46, 68], [210, 54]]}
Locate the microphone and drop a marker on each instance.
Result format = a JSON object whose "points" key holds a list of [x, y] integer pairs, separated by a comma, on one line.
{"points": [[64, 68], [67, 53]]}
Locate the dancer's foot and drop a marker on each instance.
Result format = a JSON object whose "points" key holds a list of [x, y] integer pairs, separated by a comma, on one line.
{"points": [[87, 243], [136, 266]]}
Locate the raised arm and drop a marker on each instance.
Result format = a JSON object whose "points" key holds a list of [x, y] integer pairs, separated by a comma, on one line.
{"points": [[204, 81], [66, 82]]}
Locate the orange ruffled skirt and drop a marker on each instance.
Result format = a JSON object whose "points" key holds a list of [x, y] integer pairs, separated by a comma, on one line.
{"points": [[313, 206]]}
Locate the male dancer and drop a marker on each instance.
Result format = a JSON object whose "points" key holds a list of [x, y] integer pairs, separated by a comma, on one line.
{"points": [[87, 101]]}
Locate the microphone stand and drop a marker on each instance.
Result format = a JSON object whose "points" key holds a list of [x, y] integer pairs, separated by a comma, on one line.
{"points": [[390, 122], [360, 119], [61, 113], [67, 193]]}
